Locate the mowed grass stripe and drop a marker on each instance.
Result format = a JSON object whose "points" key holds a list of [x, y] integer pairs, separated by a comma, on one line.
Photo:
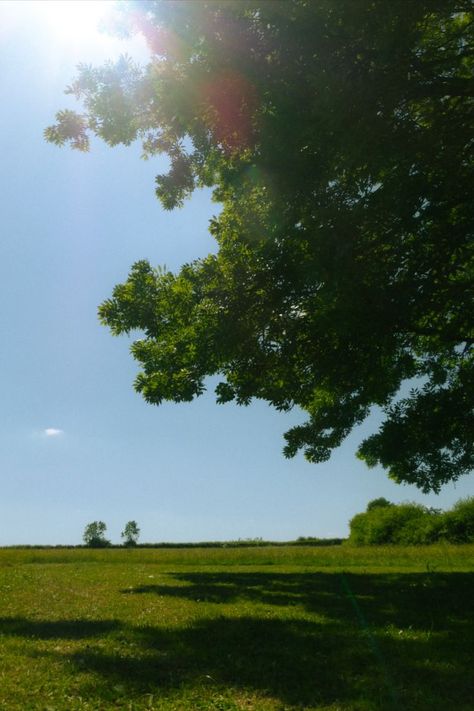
{"points": [[440, 557]]}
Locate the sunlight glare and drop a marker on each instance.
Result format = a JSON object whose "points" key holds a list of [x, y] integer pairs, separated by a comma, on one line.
{"points": [[74, 21], [68, 30]]}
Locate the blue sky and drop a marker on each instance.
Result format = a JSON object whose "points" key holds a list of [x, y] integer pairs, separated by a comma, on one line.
{"points": [[77, 443]]}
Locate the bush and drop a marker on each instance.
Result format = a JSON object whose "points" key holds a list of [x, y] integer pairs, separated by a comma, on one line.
{"points": [[403, 524], [359, 530], [457, 525]]}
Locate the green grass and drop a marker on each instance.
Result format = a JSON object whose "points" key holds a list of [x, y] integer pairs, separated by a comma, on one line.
{"points": [[332, 629]]}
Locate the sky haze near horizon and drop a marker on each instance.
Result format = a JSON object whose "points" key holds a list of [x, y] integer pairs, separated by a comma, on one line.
{"points": [[77, 444]]}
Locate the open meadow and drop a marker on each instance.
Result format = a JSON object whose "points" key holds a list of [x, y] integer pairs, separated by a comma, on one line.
{"points": [[328, 628]]}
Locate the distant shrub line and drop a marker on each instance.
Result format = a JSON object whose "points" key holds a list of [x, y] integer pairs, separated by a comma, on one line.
{"points": [[412, 524], [248, 543], [245, 543]]}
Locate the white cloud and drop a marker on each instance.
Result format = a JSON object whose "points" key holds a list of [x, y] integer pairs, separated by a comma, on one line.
{"points": [[52, 432]]}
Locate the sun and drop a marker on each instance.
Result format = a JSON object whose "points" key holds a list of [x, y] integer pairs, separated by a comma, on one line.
{"points": [[68, 30], [75, 21]]}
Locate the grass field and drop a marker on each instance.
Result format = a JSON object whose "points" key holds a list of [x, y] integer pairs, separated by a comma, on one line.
{"points": [[331, 629]]}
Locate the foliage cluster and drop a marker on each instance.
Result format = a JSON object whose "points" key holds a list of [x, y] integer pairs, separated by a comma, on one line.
{"points": [[412, 524], [337, 137]]}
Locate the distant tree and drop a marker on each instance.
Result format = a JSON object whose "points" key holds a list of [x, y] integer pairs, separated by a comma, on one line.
{"points": [[378, 504], [94, 535], [337, 136], [130, 534], [458, 523]]}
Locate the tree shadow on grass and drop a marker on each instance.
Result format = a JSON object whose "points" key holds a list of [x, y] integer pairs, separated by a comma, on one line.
{"points": [[421, 600], [282, 589], [298, 662], [56, 629], [412, 632], [399, 641]]}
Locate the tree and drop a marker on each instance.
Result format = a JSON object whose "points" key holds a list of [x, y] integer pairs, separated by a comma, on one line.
{"points": [[380, 503], [94, 535], [337, 136], [130, 533]]}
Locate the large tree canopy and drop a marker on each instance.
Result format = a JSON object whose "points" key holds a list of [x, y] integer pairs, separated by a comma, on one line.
{"points": [[337, 136]]}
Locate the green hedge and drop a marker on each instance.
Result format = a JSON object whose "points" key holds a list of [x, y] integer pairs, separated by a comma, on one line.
{"points": [[412, 524]]}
